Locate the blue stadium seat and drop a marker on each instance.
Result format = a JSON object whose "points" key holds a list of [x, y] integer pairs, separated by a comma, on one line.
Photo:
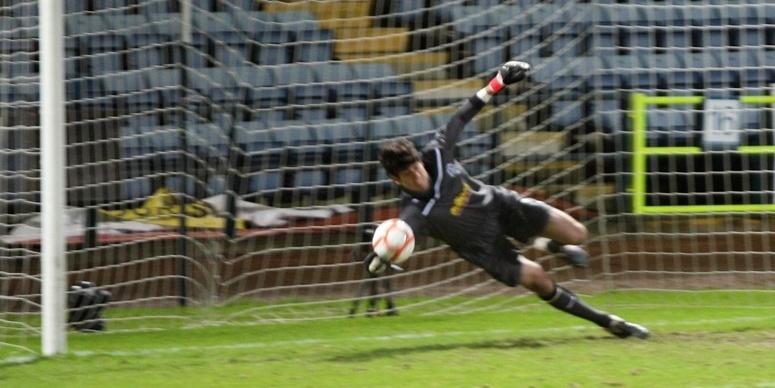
{"points": [[488, 51], [345, 140], [408, 13], [671, 72], [670, 127], [208, 140], [135, 188], [146, 57], [466, 18], [153, 7], [108, 62], [566, 114], [218, 27], [314, 45], [75, 7], [236, 6], [418, 127], [381, 128], [230, 56], [391, 94], [130, 92], [638, 40], [607, 114], [621, 15], [261, 150], [217, 83], [253, 23], [295, 21], [265, 183], [605, 40], [115, 6], [166, 26], [351, 96], [292, 133], [167, 83], [310, 181], [303, 91], [261, 90], [564, 74]]}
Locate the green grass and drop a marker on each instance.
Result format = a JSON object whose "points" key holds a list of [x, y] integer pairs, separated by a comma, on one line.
{"points": [[698, 340]]}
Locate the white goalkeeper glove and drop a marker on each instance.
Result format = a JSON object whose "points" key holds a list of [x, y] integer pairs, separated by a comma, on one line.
{"points": [[376, 265]]}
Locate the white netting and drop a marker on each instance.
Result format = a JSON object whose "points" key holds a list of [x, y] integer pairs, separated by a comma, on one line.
{"points": [[257, 122]]}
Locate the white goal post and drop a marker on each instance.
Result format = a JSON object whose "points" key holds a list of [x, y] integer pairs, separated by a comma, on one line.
{"points": [[214, 161]]}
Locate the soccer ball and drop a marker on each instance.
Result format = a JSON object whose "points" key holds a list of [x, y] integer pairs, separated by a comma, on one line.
{"points": [[393, 241]]}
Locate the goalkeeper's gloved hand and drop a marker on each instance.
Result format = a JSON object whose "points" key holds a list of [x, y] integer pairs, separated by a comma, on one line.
{"points": [[374, 264], [509, 73]]}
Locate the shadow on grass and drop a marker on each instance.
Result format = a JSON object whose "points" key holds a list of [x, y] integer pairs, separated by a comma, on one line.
{"points": [[522, 343]]}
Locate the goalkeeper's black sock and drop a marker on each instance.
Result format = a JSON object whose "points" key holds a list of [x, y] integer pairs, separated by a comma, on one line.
{"points": [[554, 246], [565, 300]]}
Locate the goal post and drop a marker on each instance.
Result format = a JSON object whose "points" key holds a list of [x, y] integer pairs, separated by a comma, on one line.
{"points": [[52, 151]]}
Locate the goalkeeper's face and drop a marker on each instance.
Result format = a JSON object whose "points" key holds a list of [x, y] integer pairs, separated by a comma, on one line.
{"points": [[414, 178]]}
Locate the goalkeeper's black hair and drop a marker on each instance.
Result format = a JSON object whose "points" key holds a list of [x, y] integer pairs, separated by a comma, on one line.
{"points": [[398, 154]]}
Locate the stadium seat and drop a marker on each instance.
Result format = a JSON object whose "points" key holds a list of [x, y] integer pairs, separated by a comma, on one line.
{"points": [[154, 7], [381, 128], [407, 13], [261, 151], [135, 188], [488, 50], [672, 126], [130, 91], [390, 94], [146, 57], [261, 87], [466, 18], [216, 83], [253, 23], [638, 40], [208, 140], [107, 62], [345, 140], [566, 114], [607, 114], [314, 45], [299, 82], [166, 82], [217, 26], [265, 184], [351, 96]]}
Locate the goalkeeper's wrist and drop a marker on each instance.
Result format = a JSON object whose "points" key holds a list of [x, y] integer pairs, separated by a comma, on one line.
{"points": [[496, 84]]}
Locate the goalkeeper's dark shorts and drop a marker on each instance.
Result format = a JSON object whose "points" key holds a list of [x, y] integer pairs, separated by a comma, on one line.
{"points": [[520, 218]]}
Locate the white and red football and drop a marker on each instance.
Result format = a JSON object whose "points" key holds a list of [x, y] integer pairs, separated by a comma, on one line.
{"points": [[393, 241]]}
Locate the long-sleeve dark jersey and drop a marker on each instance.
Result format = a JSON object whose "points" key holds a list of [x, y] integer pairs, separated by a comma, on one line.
{"points": [[470, 216]]}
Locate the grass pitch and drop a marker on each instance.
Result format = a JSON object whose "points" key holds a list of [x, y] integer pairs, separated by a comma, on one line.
{"points": [[699, 340]]}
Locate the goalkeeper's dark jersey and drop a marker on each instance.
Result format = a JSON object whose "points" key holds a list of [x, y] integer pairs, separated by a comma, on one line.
{"points": [[470, 216]]}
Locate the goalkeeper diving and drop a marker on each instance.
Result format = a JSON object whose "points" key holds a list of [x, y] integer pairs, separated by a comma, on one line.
{"points": [[439, 199]]}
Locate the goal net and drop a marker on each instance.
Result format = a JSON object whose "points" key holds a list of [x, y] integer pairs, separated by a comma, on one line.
{"points": [[221, 154]]}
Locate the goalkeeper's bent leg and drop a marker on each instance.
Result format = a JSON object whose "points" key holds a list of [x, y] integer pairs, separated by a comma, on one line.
{"points": [[565, 300]]}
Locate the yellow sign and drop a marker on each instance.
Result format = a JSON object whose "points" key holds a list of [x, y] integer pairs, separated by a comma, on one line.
{"points": [[163, 208]]}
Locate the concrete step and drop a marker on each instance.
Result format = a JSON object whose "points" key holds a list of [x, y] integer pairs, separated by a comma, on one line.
{"points": [[366, 41], [446, 89], [330, 14], [414, 66], [520, 143]]}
